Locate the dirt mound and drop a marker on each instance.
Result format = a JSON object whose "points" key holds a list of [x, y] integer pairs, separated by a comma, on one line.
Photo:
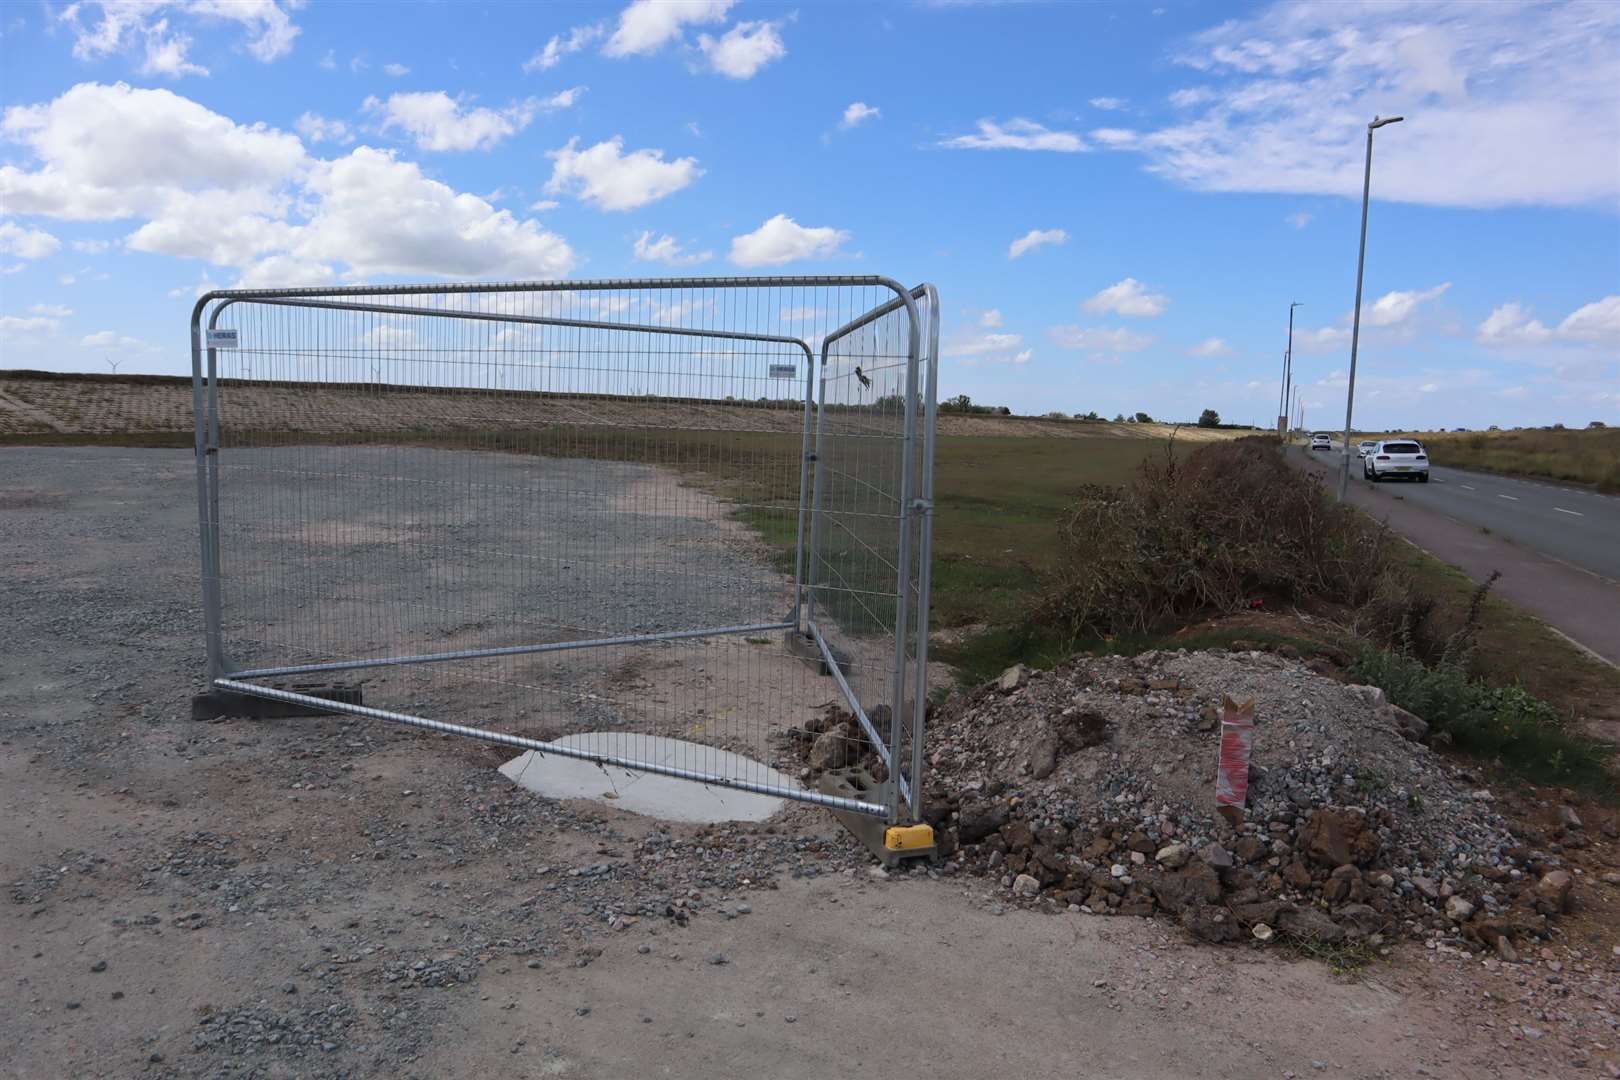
{"points": [[1094, 786]]}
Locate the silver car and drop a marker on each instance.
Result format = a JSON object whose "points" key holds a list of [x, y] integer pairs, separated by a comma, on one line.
{"points": [[1365, 447], [1396, 459]]}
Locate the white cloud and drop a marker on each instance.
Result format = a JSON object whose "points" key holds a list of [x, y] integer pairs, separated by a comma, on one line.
{"points": [[127, 24], [990, 319], [1210, 347], [329, 61], [204, 284], [1107, 104], [1015, 134], [285, 272], [14, 326], [224, 227], [272, 28], [389, 336], [743, 50], [1487, 91], [1322, 339], [1190, 96], [982, 345], [783, 240], [859, 112], [165, 53], [1428, 388], [95, 147], [1035, 238], [26, 243], [1394, 308], [1512, 324], [613, 180], [105, 339], [1099, 339], [53, 311], [1115, 138], [560, 46], [562, 99], [648, 25], [382, 216], [1597, 322], [248, 196], [396, 70], [92, 247], [318, 128], [544, 205], [1298, 220], [1128, 297], [666, 249], [439, 122]]}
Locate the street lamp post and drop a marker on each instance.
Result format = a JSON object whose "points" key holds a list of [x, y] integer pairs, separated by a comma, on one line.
{"points": [[1355, 325], [1283, 404], [1288, 356]]}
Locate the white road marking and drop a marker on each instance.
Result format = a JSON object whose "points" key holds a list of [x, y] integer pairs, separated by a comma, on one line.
{"points": [[1561, 510], [1515, 498], [1466, 487]]}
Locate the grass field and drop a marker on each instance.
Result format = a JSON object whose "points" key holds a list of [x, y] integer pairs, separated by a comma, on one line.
{"points": [[1586, 456]]}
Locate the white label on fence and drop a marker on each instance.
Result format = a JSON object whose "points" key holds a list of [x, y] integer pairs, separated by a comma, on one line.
{"points": [[222, 339], [784, 371]]}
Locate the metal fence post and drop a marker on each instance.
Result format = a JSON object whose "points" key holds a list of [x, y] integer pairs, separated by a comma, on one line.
{"points": [[925, 554]]}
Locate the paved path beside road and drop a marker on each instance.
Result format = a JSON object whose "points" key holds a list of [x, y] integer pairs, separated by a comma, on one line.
{"points": [[1558, 549]]}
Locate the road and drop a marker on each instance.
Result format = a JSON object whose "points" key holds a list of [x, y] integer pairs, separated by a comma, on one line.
{"points": [[1557, 549], [1581, 528]]}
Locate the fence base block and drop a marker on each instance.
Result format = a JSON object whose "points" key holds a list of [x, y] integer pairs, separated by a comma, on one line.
{"points": [[217, 703], [804, 647], [889, 843]]}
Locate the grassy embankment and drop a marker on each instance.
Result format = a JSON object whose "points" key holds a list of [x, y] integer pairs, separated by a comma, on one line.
{"points": [[1476, 686]]}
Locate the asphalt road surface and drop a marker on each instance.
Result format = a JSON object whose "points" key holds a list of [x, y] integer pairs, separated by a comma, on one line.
{"points": [[1581, 528], [1557, 549]]}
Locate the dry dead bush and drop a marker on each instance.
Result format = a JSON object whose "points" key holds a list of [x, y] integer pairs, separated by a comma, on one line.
{"points": [[1213, 532]]}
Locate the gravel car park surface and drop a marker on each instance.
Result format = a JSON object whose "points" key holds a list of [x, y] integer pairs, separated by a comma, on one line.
{"points": [[328, 897]]}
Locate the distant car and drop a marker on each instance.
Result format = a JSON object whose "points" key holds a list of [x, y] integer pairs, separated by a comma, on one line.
{"points": [[1319, 441], [1402, 458], [1364, 447]]}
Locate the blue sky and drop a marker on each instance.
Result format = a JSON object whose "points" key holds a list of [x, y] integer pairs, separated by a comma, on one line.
{"points": [[1117, 202]]}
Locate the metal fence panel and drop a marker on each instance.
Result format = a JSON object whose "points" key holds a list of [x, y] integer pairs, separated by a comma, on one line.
{"points": [[519, 512]]}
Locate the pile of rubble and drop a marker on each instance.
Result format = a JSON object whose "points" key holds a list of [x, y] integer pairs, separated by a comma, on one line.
{"points": [[1092, 787]]}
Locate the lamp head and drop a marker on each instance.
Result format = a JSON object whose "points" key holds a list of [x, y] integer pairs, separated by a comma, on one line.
{"points": [[1378, 122]]}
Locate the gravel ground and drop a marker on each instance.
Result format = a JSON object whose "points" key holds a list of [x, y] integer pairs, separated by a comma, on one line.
{"points": [[1110, 763], [335, 898]]}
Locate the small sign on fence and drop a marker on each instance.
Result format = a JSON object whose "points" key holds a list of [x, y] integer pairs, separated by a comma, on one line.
{"points": [[222, 339], [784, 371]]}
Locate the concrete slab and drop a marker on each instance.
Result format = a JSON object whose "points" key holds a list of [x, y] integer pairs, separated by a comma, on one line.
{"points": [[663, 797]]}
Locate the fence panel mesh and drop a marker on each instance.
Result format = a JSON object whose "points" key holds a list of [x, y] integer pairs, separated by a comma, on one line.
{"points": [[581, 512]]}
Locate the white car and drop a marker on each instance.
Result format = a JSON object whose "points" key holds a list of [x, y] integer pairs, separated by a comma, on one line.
{"points": [[1320, 441], [1402, 458], [1365, 447]]}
